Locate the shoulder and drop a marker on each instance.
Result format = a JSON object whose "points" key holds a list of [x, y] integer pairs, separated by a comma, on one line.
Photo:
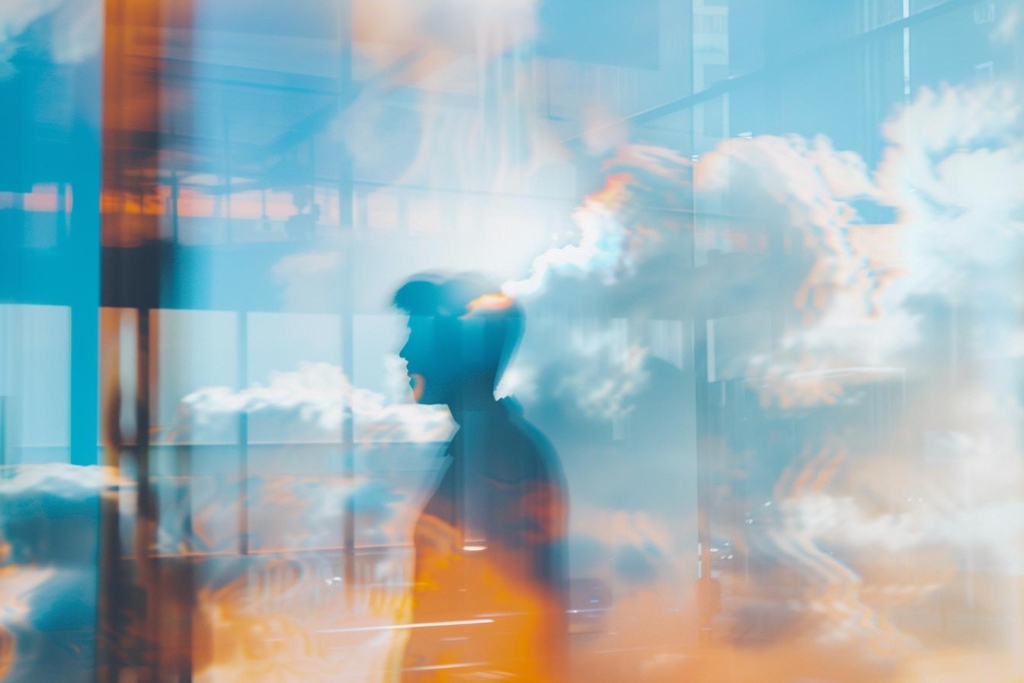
{"points": [[525, 453]]}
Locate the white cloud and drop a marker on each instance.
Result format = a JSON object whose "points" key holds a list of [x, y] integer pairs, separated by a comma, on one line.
{"points": [[604, 373], [599, 253], [612, 236], [314, 399], [940, 215], [949, 177]]}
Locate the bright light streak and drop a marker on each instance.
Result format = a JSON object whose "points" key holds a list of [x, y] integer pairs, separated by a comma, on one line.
{"points": [[394, 627]]}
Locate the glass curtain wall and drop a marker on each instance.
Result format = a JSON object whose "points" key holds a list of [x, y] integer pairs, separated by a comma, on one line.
{"points": [[762, 256]]}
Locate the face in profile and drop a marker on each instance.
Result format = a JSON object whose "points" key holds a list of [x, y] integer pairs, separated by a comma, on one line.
{"points": [[432, 372]]}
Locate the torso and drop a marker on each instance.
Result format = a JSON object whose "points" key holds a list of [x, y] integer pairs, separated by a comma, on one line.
{"points": [[502, 553]]}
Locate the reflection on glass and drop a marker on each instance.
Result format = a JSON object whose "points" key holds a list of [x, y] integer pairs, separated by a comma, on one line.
{"points": [[490, 575], [761, 260]]}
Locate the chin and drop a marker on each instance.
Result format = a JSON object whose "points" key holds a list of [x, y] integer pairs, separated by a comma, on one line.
{"points": [[428, 394]]}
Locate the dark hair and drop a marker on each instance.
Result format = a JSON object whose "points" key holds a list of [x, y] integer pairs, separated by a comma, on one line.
{"points": [[465, 301]]}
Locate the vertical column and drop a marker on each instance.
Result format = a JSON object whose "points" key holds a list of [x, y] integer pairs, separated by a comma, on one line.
{"points": [[83, 244], [145, 601], [345, 88], [242, 372], [705, 451], [147, 521], [112, 588], [3, 433]]}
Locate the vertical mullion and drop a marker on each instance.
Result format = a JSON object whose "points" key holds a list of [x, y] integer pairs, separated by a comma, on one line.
{"points": [[345, 189]]}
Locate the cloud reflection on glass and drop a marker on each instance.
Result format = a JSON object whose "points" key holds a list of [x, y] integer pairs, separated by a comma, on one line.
{"points": [[759, 266]]}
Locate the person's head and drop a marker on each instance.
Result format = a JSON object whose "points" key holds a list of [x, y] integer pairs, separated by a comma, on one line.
{"points": [[462, 332]]}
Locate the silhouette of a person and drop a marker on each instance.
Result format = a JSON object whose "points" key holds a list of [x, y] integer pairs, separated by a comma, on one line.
{"points": [[489, 594]]}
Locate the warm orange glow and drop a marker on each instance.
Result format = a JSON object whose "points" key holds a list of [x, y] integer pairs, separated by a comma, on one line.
{"points": [[510, 624], [489, 302], [419, 383], [6, 651], [285, 619], [615, 193], [18, 582]]}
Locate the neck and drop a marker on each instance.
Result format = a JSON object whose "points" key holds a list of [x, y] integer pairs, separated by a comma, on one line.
{"points": [[472, 398]]}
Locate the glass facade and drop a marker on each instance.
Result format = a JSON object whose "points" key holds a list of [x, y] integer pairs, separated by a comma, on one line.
{"points": [[732, 394]]}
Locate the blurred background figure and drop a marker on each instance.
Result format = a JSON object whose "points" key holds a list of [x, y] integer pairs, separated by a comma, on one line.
{"points": [[490, 571]]}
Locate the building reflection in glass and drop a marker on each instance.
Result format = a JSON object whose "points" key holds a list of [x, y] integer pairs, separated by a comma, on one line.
{"points": [[760, 259]]}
